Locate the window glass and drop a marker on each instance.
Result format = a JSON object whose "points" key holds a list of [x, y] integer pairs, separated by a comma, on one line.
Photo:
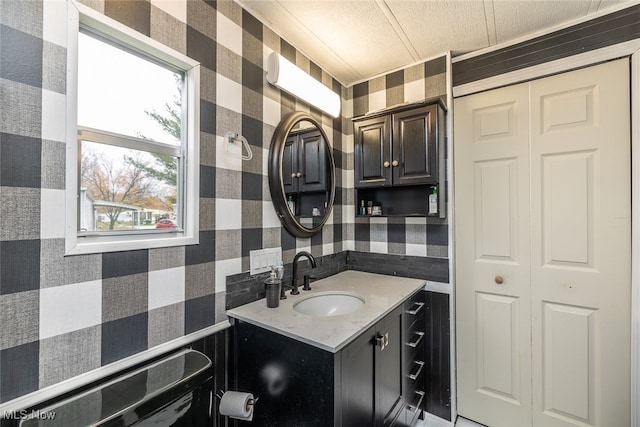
{"points": [[125, 189], [130, 124], [127, 94]]}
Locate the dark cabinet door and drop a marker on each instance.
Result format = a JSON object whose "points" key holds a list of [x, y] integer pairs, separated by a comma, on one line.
{"points": [[389, 368], [358, 381], [372, 375], [304, 163], [290, 165], [415, 147], [293, 380], [312, 162], [372, 140]]}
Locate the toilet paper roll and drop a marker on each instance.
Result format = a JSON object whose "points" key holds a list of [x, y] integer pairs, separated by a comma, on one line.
{"points": [[237, 405]]}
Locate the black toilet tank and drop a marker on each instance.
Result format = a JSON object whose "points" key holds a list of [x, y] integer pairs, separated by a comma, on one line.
{"points": [[173, 391]]}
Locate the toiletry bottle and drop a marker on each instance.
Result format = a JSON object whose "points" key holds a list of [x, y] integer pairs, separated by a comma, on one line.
{"points": [[363, 210], [369, 207], [272, 289], [433, 202], [292, 205]]}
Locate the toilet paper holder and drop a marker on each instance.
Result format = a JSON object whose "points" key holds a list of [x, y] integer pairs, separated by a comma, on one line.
{"points": [[251, 402], [237, 405]]}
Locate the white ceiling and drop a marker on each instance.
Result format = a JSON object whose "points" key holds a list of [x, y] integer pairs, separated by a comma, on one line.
{"points": [[354, 40]]}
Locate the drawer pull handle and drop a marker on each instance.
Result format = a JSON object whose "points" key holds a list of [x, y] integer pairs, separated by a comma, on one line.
{"points": [[417, 374], [414, 408], [415, 311], [415, 343]]}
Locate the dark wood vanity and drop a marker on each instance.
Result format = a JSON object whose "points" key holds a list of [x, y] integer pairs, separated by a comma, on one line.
{"points": [[377, 379]]}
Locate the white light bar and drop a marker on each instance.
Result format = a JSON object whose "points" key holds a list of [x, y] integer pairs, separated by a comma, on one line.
{"points": [[293, 80]]}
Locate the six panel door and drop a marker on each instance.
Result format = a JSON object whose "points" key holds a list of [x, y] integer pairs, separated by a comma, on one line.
{"points": [[581, 247], [493, 257], [546, 340]]}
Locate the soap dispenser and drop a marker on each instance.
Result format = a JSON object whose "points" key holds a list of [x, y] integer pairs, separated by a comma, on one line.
{"points": [[272, 287]]}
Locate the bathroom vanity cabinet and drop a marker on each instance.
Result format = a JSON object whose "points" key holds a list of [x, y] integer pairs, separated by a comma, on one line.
{"points": [[377, 379], [399, 157]]}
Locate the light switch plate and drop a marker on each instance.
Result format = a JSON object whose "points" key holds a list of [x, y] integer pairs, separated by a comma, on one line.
{"points": [[261, 260]]}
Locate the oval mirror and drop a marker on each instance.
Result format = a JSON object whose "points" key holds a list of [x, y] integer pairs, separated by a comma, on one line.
{"points": [[301, 174]]}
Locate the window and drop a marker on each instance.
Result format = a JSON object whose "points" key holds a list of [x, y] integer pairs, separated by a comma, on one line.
{"points": [[132, 160]]}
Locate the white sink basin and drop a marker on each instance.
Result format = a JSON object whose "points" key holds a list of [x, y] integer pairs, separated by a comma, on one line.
{"points": [[326, 305]]}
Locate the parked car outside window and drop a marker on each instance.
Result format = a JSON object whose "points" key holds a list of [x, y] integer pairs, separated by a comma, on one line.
{"points": [[166, 223]]}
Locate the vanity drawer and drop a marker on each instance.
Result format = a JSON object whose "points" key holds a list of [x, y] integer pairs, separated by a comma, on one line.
{"points": [[414, 337], [414, 374], [414, 346], [414, 307], [414, 313], [414, 406]]}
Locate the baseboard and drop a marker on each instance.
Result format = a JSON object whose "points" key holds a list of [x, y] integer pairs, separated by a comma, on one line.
{"points": [[431, 420]]}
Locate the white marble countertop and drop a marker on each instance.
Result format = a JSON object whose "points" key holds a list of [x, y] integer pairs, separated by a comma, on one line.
{"points": [[380, 293]]}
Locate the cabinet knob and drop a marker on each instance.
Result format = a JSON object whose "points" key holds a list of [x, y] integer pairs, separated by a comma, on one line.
{"points": [[293, 175], [394, 163], [386, 164], [499, 279], [298, 175]]}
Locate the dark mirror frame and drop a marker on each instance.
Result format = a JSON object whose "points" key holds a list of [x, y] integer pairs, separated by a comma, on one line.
{"points": [[276, 187]]}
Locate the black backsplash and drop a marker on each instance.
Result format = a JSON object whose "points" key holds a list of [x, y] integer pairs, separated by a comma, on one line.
{"points": [[433, 269], [244, 288]]}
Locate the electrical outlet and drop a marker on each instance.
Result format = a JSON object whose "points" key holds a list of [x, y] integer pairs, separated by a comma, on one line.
{"points": [[261, 260]]}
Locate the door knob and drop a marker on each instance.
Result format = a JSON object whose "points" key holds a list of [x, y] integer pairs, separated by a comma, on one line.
{"points": [[499, 279], [394, 163], [385, 164]]}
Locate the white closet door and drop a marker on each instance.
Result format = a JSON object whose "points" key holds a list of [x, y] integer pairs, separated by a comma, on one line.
{"points": [[492, 257], [543, 201], [581, 247]]}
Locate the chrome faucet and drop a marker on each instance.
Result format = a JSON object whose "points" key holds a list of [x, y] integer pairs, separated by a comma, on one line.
{"points": [[294, 282]]}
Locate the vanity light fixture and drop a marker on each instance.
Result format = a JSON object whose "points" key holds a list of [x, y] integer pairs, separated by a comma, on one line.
{"points": [[291, 79]]}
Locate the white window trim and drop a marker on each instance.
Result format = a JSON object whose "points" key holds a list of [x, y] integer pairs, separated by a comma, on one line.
{"points": [[78, 14]]}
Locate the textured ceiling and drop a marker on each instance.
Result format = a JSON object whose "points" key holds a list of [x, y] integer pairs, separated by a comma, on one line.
{"points": [[355, 40]]}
